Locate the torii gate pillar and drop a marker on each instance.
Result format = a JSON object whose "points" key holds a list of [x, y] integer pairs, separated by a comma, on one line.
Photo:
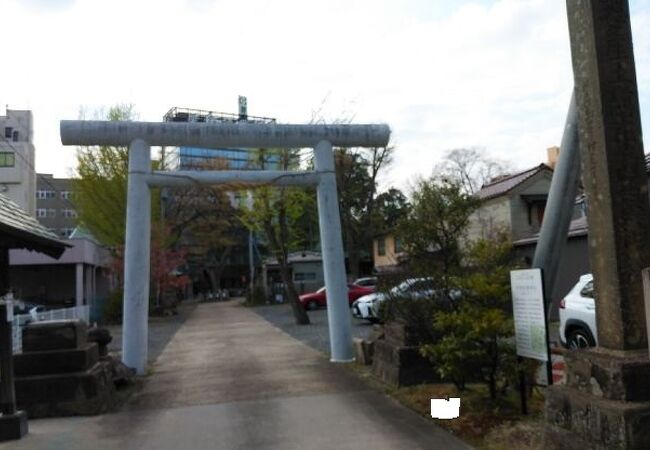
{"points": [[606, 401]]}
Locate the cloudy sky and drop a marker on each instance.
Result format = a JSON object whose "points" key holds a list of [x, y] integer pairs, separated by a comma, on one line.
{"points": [[442, 73]]}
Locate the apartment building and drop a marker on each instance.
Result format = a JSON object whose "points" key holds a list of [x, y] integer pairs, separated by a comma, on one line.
{"points": [[54, 207], [17, 159]]}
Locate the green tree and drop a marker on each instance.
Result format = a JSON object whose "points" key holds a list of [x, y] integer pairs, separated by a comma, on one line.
{"points": [[278, 213], [99, 196], [100, 186], [357, 174], [391, 206], [432, 232], [475, 338]]}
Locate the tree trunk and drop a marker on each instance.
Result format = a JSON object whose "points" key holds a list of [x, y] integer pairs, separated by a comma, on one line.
{"points": [[299, 312], [353, 255]]}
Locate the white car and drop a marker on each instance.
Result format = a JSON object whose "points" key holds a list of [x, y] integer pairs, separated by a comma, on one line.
{"points": [[367, 307], [578, 315]]}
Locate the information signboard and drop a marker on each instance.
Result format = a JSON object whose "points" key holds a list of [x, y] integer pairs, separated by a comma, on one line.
{"points": [[529, 313]]}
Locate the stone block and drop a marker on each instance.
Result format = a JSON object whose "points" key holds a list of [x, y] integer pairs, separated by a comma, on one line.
{"points": [[54, 335], [577, 419], [400, 356], [56, 361], [13, 426], [401, 366], [400, 334], [363, 351], [80, 393], [608, 374]]}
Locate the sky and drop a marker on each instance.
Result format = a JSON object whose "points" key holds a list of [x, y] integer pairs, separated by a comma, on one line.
{"points": [[443, 74]]}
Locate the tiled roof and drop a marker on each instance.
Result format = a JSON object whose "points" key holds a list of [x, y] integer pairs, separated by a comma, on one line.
{"points": [[505, 184], [20, 230], [577, 227]]}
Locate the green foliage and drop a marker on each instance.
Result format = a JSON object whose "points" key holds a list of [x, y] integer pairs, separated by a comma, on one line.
{"points": [[416, 313], [391, 207], [432, 231], [279, 214], [357, 172], [476, 337], [100, 187]]}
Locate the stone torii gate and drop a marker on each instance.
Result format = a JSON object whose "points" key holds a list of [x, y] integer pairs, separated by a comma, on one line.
{"points": [[139, 136]]}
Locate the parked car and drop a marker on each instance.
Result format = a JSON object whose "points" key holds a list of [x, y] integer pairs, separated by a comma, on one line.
{"points": [[313, 300], [367, 307], [366, 281], [578, 315]]}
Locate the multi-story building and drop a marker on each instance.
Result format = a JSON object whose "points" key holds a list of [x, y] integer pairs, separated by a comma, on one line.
{"points": [[54, 208], [17, 157], [192, 158]]}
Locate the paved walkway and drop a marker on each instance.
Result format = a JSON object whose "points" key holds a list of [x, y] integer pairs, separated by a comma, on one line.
{"points": [[230, 380]]}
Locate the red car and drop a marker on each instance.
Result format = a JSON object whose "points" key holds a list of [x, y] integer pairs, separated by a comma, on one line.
{"points": [[313, 300]]}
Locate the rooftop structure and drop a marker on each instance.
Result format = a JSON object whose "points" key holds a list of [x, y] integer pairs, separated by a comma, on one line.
{"points": [[194, 158]]}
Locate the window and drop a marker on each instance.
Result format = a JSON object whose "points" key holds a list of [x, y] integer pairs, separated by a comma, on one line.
{"points": [[381, 247], [66, 195], [41, 212], [51, 213], [304, 276], [66, 232], [8, 131], [14, 136], [398, 246], [43, 194], [69, 213], [7, 159], [588, 290]]}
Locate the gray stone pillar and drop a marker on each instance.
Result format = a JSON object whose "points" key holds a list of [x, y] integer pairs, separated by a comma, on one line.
{"points": [[613, 166], [329, 219], [606, 401], [136, 259]]}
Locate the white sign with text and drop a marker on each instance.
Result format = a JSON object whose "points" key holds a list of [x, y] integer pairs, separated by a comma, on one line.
{"points": [[528, 311]]}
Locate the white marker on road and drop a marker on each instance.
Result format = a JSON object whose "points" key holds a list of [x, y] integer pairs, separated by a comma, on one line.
{"points": [[442, 408]]}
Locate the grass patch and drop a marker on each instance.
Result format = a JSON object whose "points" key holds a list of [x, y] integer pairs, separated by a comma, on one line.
{"points": [[483, 424]]}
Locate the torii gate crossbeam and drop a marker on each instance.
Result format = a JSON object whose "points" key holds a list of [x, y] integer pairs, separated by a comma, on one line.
{"points": [[139, 136]]}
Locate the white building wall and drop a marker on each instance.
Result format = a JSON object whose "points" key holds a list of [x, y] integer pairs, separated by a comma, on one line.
{"points": [[18, 182]]}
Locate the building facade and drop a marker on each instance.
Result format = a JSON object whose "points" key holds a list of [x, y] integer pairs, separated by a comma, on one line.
{"points": [[54, 207], [193, 158], [17, 159], [514, 203]]}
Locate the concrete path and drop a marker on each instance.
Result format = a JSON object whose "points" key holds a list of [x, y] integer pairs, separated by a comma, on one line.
{"points": [[230, 380]]}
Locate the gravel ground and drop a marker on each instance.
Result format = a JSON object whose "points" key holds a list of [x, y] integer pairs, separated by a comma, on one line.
{"points": [[315, 335]]}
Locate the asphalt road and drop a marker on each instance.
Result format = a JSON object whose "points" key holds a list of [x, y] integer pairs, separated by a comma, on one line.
{"points": [[316, 335]]}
